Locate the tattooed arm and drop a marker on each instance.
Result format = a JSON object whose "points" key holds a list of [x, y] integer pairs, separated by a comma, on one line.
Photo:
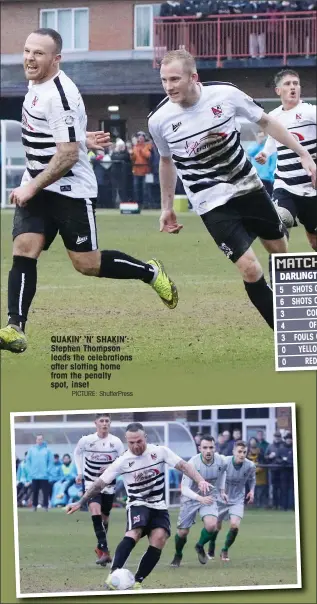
{"points": [[62, 161], [190, 471], [95, 489], [108, 476]]}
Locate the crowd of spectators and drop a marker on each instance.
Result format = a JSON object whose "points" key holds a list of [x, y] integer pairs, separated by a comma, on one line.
{"points": [[128, 171], [42, 473], [274, 466], [202, 9], [200, 42]]}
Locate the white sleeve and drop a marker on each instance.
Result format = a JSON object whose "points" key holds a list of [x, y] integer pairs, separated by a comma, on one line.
{"points": [[270, 146], [245, 106], [109, 475], [160, 142], [78, 454], [311, 113], [63, 118], [187, 492], [186, 485], [120, 447], [169, 457]]}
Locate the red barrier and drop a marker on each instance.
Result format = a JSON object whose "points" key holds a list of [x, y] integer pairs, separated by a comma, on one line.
{"points": [[224, 37]]}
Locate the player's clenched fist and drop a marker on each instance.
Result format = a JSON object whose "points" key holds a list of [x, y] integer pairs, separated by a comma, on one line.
{"points": [[21, 195]]}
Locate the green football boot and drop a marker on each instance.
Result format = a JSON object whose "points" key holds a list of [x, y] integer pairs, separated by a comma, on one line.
{"points": [[164, 286], [13, 339]]}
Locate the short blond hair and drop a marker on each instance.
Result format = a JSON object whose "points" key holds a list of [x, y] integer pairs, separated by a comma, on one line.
{"points": [[181, 55]]}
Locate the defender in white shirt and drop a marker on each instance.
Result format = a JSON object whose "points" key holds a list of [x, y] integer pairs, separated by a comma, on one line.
{"points": [[59, 189], [197, 136], [211, 466], [92, 455], [142, 470], [294, 194]]}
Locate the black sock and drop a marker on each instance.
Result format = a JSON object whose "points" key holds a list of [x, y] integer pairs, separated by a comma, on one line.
{"points": [[261, 296], [117, 265], [105, 526], [100, 532], [21, 289], [122, 552], [286, 233], [147, 563]]}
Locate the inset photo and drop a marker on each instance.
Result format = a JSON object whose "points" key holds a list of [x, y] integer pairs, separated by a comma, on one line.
{"points": [[173, 500]]}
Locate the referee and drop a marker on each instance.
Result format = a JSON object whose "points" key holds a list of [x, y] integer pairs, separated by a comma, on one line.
{"points": [[58, 190]]}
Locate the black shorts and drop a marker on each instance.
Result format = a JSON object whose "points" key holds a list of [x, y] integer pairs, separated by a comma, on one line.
{"points": [[140, 516], [49, 213], [302, 207], [105, 500], [235, 225]]}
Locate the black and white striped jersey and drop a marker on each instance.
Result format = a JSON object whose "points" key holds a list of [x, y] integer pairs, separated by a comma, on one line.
{"points": [[54, 112], [289, 173], [143, 475], [204, 143], [93, 453]]}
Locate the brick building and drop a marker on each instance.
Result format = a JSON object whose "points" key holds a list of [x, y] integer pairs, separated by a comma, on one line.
{"points": [[108, 52]]}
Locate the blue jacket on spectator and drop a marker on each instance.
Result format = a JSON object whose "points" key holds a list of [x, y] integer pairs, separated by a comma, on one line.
{"points": [[55, 472], [266, 171], [39, 462], [68, 472], [22, 472]]}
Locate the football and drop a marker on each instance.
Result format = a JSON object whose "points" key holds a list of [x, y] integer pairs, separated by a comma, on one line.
{"points": [[121, 579]]}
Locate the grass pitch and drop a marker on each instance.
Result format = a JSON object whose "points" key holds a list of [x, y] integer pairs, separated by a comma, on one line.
{"points": [[214, 323], [57, 553]]}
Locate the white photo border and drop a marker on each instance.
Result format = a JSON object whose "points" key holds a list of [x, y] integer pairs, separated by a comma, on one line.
{"points": [[112, 411]]}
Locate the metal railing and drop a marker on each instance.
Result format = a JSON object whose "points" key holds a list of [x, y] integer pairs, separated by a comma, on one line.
{"points": [[225, 37]]}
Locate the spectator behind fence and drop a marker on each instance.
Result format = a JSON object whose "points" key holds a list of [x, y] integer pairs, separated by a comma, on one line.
{"points": [[257, 37], [121, 172], [221, 444], [68, 478], [55, 473], [39, 461], [272, 456], [263, 444], [197, 439], [265, 171], [229, 442], [261, 489], [287, 477], [101, 164], [141, 153], [24, 485]]}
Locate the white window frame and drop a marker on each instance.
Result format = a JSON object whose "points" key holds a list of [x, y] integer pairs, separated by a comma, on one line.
{"points": [[73, 10], [151, 46]]}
